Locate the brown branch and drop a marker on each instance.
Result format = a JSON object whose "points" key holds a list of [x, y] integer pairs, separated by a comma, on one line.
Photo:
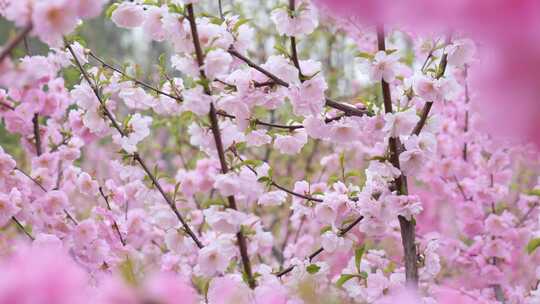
{"points": [[273, 183], [178, 97], [37, 135], [407, 227], [32, 179], [341, 233], [307, 197], [7, 106], [139, 82], [13, 42], [21, 227], [219, 144], [115, 225], [294, 52], [347, 109], [136, 156], [466, 126], [68, 215]]}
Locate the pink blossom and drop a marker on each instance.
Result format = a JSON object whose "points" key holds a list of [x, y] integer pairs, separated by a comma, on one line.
{"points": [[282, 68], [308, 98], [42, 275], [228, 289], [302, 22], [344, 131], [53, 202], [316, 127], [291, 144], [406, 206], [128, 15], [217, 63], [136, 98], [85, 232], [197, 101], [258, 138], [7, 163], [384, 66], [272, 198], [138, 129], [153, 22], [8, 208], [400, 123], [411, 162], [167, 288], [461, 52], [54, 18], [89, 8], [214, 259], [86, 184], [325, 213]]}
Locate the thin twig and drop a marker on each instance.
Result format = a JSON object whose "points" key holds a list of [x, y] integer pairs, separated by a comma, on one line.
{"points": [[347, 109], [21, 227], [273, 183], [13, 42], [136, 156], [314, 254], [115, 225], [427, 107], [294, 52], [137, 81]]}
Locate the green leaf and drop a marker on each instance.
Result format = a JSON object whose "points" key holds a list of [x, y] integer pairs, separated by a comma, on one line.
{"points": [[239, 23], [281, 49], [201, 284], [246, 230], [110, 10], [532, 245], [333, 179], [343, 279], [151, 2], [162, 60], [358, 253], [535, 192], [175, 8], [127, 271], [252, 162], [326, 229], [264, 179], [364, 55], [313, 268]]}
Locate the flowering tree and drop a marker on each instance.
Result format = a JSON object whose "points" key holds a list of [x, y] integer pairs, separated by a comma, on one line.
{"points": [[348, 162]]}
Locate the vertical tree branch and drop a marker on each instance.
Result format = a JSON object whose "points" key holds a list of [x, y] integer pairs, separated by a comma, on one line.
{"points": [[220, 8], [219, 145], [294, 52], [37, 135], [466, 126], [408, 233]]}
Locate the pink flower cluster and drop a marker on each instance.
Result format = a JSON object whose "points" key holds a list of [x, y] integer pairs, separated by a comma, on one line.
{"points": [[234, 181]]}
